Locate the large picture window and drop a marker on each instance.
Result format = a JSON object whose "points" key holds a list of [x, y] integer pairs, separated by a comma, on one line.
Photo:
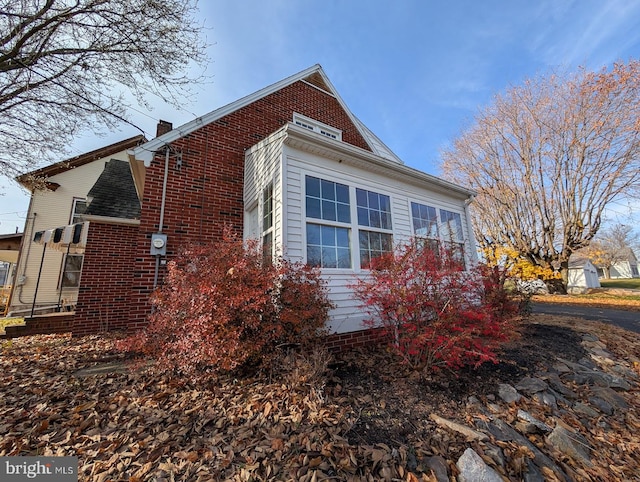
{"points": [[332, 233]]}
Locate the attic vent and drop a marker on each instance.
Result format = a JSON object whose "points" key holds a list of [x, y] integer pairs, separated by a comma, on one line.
{"points": [[315, 126]]}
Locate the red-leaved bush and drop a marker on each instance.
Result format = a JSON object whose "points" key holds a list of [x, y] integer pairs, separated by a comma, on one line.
{"points": [[222, 307], [435, 313]]}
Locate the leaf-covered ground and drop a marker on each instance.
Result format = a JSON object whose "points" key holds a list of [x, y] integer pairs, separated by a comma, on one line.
{"points": [[364, 418]]}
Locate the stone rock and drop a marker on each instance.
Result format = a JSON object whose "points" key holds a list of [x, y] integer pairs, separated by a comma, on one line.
{"points": [[533, 473], [496, 454], [602, 405], [457, 427], [555, 382], [546, 398], [504, 432], [624, 372], [590, 337], [587, 363], [561, 367], [570, 443], [438, 467], [585, 410], [508, 393], [611, 396], [527, 417], [472, 468], [531, 385]]}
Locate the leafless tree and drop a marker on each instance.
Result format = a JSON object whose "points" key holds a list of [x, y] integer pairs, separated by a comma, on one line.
{"points": [[611, 246], [68, 66], [547, 158]]}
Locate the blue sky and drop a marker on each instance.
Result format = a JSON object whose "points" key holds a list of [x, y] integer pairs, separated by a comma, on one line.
{"points": [[414, 71]]}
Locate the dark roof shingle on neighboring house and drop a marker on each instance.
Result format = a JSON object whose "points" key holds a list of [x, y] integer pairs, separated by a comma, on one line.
{"points": [[114, 193]]}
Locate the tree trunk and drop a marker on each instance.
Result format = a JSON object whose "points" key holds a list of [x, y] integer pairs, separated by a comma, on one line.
{"points": [[564, 273]]}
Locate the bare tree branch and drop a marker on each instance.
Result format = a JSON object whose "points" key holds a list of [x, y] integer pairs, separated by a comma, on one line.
{"points": [[548, 157], [65, 64]]}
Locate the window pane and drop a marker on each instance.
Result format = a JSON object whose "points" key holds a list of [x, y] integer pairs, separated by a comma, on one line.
{"points": [[328, 190], [342, 236], [385, 203], [344, 258], [313, 234], [329, 210], [344, 213], [374, 219], [328, 237], [321, 200], [313, 208], [313, 186], [385, 222], [71, 272], [374, 202], [425, 220], [373, 209], [314, 255], [375, 242], [363, 216], [342, 193], [329, 258]]}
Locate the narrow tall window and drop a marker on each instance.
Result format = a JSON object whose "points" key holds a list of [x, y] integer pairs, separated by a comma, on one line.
{"points": [[425, 225], [452, 235], [374, 211], [267, 222]]}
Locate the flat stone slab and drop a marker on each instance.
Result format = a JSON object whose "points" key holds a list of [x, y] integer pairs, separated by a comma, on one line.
{"points": [[472, 468]]}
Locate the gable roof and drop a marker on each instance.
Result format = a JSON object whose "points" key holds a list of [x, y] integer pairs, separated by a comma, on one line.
{"points": [[73, 162], [114, 194], [313, 75]]}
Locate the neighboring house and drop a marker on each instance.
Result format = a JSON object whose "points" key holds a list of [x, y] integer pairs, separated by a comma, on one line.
{"points": [[290, 165], [624, 268], [58, 198], [583, 275]]}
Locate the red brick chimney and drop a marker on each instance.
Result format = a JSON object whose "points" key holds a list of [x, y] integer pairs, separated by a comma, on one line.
{"points": [[163, 127]]}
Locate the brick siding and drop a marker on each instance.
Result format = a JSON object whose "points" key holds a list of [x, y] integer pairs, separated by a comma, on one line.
{"points": [[206, 192], [104, 298]]}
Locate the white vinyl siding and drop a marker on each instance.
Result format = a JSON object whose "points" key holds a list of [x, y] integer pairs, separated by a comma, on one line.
{"points": [[263, 164], [348, 314], [52, 209]]}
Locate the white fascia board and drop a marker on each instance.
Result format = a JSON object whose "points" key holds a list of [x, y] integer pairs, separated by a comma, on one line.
{"points": [[147, 151], [313, 142]]}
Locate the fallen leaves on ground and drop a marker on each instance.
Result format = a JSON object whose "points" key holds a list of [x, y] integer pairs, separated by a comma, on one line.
{"points": [[368, 418]]}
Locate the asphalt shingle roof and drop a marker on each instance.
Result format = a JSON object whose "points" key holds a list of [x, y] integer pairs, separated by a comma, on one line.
{"points": [[114, 193]]}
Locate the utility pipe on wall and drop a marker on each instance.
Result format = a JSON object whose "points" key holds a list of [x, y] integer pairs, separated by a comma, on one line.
{"points": [[162, 206]]}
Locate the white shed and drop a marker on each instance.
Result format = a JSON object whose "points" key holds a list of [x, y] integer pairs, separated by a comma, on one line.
{"points": [[583, 275]]}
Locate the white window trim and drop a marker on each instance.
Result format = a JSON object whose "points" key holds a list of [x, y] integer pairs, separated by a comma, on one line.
{"points": [[317, 126]]}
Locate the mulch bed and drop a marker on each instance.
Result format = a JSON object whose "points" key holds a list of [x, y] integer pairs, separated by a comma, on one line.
{"points": [[366, 417]]}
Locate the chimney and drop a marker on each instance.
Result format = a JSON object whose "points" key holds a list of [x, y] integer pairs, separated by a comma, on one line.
{"points": [[163, 127]]}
